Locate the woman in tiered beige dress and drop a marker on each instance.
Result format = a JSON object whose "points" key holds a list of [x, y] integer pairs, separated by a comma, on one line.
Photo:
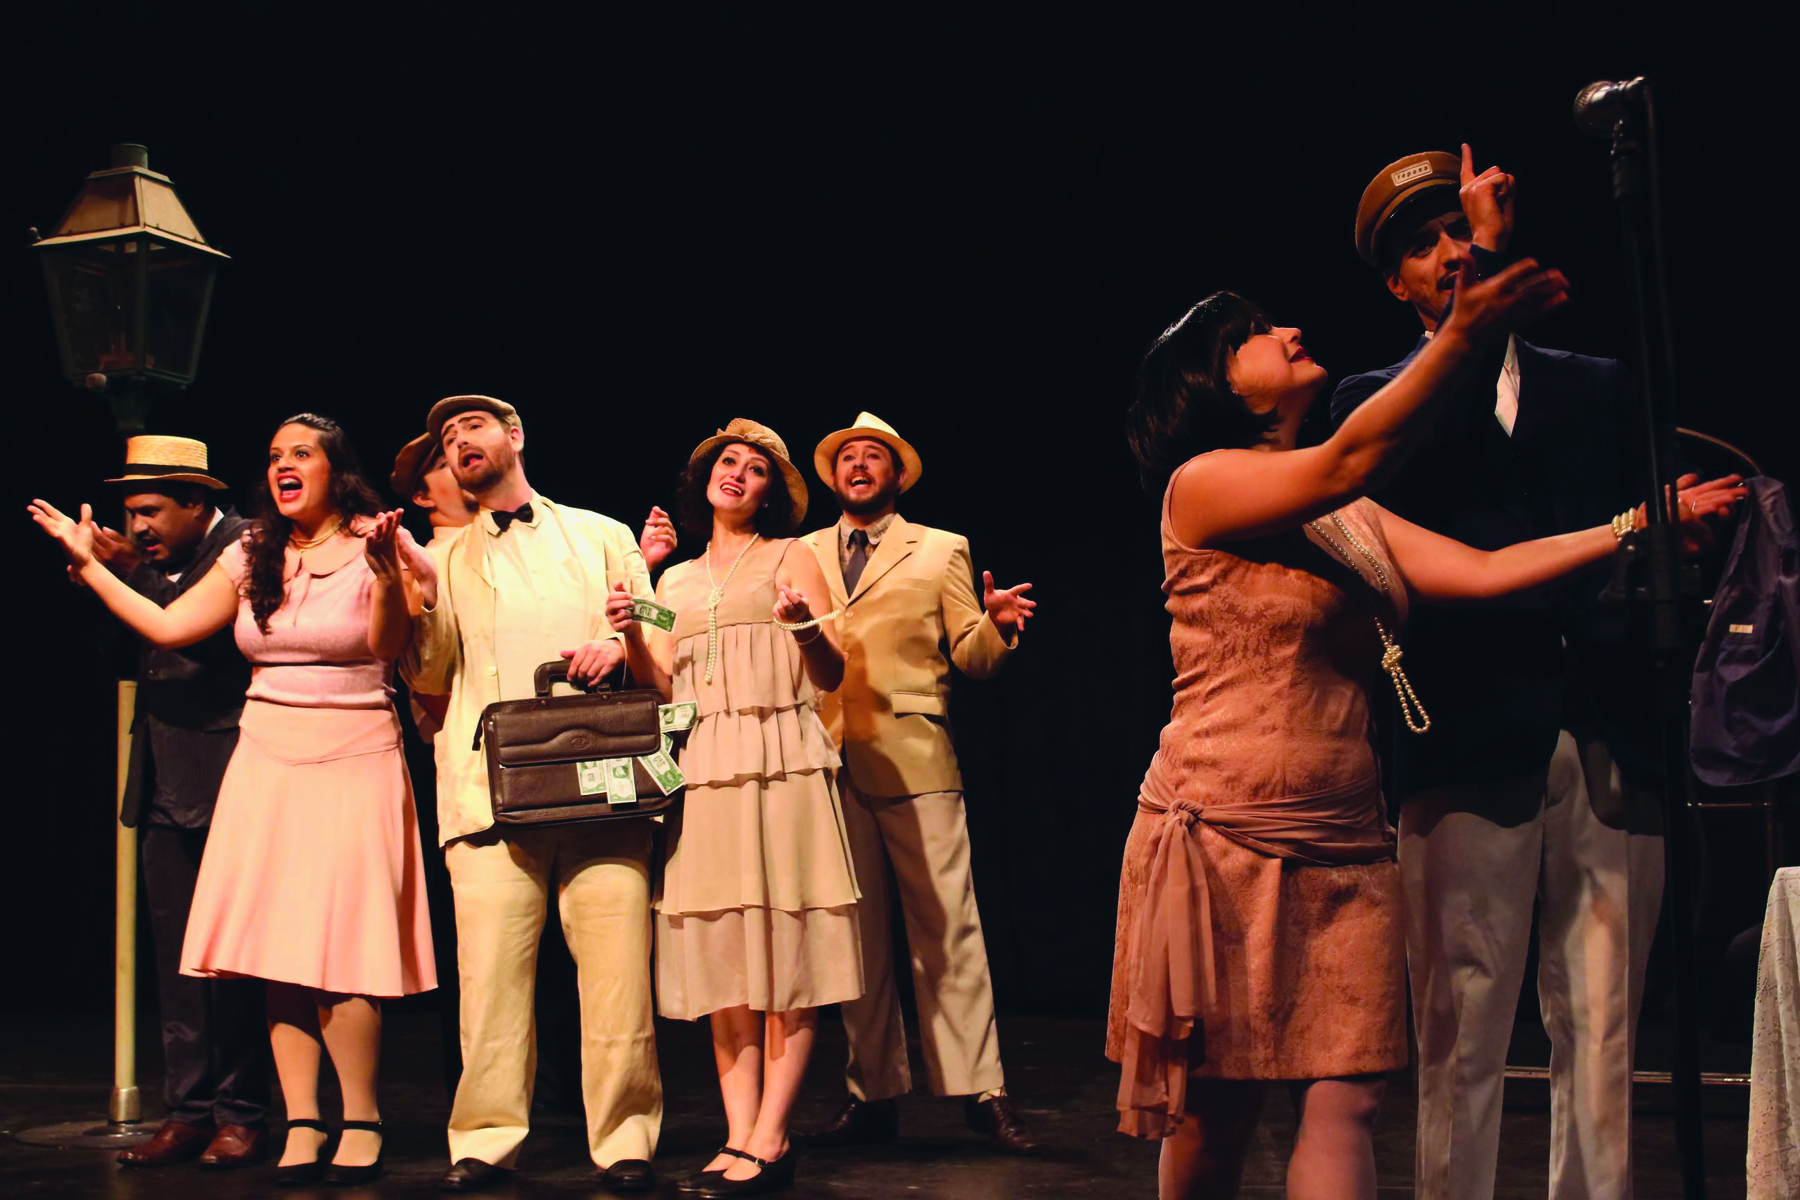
{"points": [[756, 916]]}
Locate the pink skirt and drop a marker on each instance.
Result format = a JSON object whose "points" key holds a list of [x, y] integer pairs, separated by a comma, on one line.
{"points": [[313, 872]]}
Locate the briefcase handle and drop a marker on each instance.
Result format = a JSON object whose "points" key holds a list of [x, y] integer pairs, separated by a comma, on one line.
{"points": [[549, 674]]}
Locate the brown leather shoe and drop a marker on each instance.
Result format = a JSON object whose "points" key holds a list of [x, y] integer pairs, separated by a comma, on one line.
{"points": [[236, 1146], [858, 1123], [175, 1142], [1000, 1123]]}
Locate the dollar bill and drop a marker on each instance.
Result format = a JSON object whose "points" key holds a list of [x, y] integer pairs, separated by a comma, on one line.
{"points": [[662, 768], [652, 613], [592, 775], [671, 717], [621, 783]]}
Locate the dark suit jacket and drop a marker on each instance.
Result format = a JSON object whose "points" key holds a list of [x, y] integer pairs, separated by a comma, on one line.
{"points": [[188, 704], [1496, 677]]}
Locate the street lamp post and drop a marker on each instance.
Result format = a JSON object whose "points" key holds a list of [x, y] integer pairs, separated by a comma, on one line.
{"points": [[130, 281]]}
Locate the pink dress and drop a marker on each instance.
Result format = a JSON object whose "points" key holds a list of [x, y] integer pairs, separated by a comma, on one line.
{"points": [[313, 872], [1275, 651]]}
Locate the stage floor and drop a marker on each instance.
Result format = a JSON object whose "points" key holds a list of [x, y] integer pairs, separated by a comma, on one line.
{"points": [[56, 1069]]}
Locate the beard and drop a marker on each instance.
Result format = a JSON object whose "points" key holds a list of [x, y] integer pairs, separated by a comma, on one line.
{"points": [[875, 502], [489, 471]]}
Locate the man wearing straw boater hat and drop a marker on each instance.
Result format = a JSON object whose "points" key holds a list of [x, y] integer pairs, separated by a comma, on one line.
{"points": [[910, 610], [525, 583], [215, 1046]]}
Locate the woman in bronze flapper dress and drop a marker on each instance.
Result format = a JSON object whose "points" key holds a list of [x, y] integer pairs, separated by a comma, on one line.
{"points": [[1259, 933], [756, 908]]}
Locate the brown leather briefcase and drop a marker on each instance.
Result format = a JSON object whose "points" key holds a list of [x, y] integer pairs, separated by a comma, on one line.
{"points": [[557, 759]]}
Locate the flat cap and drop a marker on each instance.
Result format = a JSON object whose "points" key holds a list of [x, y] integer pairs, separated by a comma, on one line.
{"points": [[449, 406], [1395, 186]]}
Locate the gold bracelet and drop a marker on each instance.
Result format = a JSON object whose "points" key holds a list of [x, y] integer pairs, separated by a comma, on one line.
{"points": [[1624, 523]]}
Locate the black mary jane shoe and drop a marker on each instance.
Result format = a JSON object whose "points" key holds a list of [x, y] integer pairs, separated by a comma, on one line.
{"points": [[338, 1175], [301, 1174], [700, 1180], [777, 1174]]}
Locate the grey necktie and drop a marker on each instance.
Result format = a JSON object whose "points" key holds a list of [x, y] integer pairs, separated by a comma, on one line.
{"points": [[859, 558]]}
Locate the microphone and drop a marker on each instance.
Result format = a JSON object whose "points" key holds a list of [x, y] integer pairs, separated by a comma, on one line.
{"points": [[1598, 106]]}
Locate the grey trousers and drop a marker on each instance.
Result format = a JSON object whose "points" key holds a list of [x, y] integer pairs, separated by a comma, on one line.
{"points": [[1472, 858]]}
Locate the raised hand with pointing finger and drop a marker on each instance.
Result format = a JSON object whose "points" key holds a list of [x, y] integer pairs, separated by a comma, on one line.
{"points": [[1487, 200]]}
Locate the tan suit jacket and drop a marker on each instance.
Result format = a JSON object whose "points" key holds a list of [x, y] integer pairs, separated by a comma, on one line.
{"points": [[914, 613], [453, 644]]}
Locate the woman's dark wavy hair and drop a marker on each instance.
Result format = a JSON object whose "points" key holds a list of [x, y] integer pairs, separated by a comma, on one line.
{"points": [[1185, 405], [776, 520], [350, 496]]}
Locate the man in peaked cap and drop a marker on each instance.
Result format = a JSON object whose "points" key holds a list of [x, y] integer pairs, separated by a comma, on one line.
{"points": [[902, 792], [1517, 791], [215, 1045]]}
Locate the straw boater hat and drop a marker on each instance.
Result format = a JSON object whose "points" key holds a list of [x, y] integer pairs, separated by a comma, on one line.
{"points": [[153, 458], [1413, 183], [742, 429], [868, 425], [411, 464], [449, 406]]}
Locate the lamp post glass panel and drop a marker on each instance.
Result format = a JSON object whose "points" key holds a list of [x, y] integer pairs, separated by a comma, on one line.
{"points": [[130, 280]]}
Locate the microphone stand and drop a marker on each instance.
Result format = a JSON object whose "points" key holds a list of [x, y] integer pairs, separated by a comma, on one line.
{"points": [[1636, 188]]}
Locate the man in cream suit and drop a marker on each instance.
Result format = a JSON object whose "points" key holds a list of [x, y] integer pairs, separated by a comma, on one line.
{"points": [[910, 610], [521, 585]]}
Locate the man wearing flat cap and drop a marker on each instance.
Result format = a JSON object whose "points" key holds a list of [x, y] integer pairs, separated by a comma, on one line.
{"points": [[1517, 792], [215, 1045], [910, 610], [526, 583]]}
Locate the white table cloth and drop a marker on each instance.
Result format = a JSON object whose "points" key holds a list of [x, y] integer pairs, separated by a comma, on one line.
{"points": [[1774, 1156]]}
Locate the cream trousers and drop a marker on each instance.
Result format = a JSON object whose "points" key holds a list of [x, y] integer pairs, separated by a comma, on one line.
{"points": [[926, 838], [502, 882], [1472, 859]]}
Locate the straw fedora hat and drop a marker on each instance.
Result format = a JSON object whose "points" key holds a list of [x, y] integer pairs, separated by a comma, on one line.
{"points": [[743, 429], [410, 465], [870, 426], [155, 458]]}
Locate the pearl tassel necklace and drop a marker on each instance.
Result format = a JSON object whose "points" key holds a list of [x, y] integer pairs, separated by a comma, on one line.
{"points": [[1390, 649], [712, 602]]}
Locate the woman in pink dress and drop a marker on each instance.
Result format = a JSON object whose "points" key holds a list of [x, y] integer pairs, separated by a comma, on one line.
{"points": [[1259, 936], [312, 877]]}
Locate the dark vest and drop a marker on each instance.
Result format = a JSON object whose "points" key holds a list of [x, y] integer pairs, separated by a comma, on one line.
{"points": [[188, 704]]}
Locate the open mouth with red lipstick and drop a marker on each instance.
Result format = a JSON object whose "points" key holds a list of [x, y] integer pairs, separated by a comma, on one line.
{"points": [[728, 488], [288, 488]]}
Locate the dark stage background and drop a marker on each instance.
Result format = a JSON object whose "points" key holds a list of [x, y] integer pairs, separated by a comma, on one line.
{"points": [[637, 233]]}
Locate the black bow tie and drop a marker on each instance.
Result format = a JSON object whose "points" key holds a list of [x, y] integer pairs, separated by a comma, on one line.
{"points": [[504, 519]]}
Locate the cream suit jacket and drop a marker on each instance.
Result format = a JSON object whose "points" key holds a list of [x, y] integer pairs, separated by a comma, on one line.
{"points": [[914, 613], [453, 644]]}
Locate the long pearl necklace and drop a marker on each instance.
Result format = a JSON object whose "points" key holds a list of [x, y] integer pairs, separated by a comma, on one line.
{"points": [[712, 601], [1390, 649]]}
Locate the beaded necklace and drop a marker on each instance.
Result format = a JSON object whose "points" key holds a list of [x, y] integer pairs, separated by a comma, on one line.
{"points": [[1390, 649], [712, 601]]}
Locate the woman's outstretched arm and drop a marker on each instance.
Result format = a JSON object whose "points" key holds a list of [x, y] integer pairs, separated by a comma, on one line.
{"points": [[196, 614], [1445, 571], [1235, 494]]}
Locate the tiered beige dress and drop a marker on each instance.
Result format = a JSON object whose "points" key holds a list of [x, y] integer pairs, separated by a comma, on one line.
{"points": [[757, 900]]}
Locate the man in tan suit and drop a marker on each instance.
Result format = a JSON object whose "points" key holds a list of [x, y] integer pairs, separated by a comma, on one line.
{"points": [[910, 610], [524, 583]]}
